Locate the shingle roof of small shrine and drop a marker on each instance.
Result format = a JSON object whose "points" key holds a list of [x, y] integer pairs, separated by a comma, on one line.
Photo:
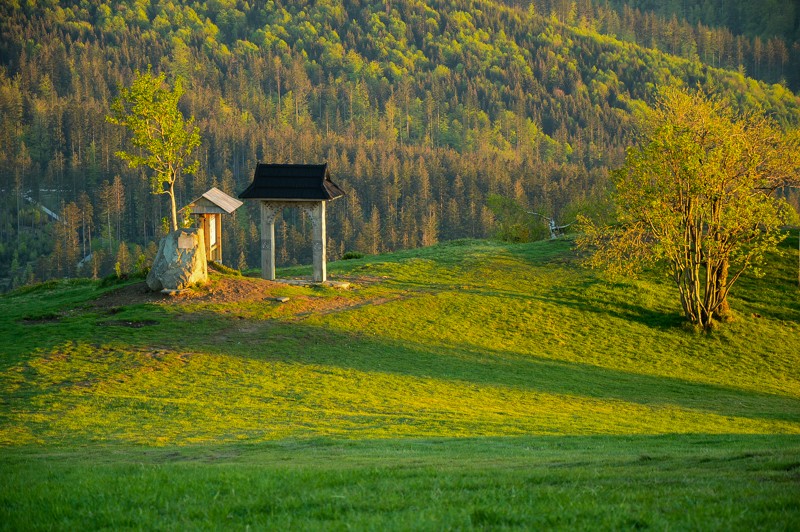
{"points": [[309, 182], [214, 201]]}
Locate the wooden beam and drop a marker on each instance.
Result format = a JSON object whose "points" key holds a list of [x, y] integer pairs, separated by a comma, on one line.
{"points": [[318, 241], [267, 241]]}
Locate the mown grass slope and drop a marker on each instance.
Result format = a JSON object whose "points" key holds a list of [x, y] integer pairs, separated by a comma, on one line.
{"points": [[463, 339], [516, 361]]}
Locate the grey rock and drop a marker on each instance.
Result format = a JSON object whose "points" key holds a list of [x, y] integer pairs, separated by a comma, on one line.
{"points": [[180, 261]]}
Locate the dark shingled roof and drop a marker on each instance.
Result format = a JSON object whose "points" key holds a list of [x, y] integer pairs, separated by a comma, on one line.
{"points": [[309, 182]]}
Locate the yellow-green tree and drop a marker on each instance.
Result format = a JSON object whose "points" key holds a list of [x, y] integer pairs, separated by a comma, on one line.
{"points": [[163, 139], [697, 192]]}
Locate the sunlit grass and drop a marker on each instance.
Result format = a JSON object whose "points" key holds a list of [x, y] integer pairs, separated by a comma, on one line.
{"points": [[466, 385], [597, 483], [166, 397], [461, 340]]}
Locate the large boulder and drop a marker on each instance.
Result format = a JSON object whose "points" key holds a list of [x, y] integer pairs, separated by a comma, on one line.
{"points": [[180, 261]]}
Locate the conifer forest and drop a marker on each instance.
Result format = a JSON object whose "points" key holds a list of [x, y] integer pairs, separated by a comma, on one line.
{"points": [[440, 119]]}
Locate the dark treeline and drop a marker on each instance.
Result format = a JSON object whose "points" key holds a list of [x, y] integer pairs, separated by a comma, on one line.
{"points": [[422, 110], [760, 39], [764, 19]]}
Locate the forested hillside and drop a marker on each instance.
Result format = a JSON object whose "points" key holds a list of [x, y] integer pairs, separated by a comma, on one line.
{"points": [[421, 109], [765, 19], [760, 39]]}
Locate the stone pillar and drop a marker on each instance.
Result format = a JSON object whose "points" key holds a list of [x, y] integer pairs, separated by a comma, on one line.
{"points": [[268, 213], [319, 239]]}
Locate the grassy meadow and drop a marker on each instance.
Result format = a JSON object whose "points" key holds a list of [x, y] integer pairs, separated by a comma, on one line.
{"points": [[471, 384]]}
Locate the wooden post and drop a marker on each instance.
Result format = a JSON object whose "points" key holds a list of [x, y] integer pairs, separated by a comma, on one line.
{"points": [[219, 237], [207, 233], [319, 252], [267, 242]]}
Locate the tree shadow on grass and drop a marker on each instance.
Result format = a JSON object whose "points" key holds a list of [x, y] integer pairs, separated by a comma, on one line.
{"points": [[311, 344], [776, 295], [572, 296]]}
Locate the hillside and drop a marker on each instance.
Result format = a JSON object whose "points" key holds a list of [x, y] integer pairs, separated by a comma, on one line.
{"points": [[421, 109], [768, 19], [466, 385], [461, 339], [761, 39]]}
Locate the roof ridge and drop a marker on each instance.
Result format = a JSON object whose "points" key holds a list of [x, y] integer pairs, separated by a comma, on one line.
{"points": [[287, 181]]}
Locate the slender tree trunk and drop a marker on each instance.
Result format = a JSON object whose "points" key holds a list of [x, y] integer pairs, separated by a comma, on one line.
{"points": [[173, 207]]}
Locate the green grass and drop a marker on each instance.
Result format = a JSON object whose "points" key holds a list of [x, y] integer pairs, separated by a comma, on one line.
{"points": [[691, 482], [470, 384]]}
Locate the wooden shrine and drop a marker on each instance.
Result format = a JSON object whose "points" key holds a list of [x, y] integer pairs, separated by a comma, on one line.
{"points": [[304, 186], [209, 209]]}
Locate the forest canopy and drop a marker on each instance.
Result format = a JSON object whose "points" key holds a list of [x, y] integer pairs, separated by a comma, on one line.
{"points": [[423, 110]]}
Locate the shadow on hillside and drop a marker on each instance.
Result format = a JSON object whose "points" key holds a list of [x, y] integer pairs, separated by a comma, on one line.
{"points": [[649, 317], [306, 344], [559, 251], [776, 295], [574, 299]]}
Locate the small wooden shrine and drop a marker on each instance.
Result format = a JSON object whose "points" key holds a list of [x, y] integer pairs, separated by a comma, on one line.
{"points": [[304, 186], [209, 209]]}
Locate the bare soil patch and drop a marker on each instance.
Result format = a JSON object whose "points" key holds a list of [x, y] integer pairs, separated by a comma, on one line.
{"points": [[234, 290], [223, 290]]}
